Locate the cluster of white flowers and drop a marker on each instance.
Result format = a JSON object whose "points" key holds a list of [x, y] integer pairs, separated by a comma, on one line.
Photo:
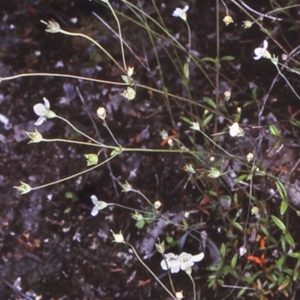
{"points": [[184, 261]]}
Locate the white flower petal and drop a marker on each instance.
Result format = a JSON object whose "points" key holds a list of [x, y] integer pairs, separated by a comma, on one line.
{"points": [[198, 257], [170, 255], [40, 110], [266, 44], [177, 12], [40, 121], [175, 268], [186, 265], [47, 103], [95, 211], [164, 265], [186, 8], [94, 199]]}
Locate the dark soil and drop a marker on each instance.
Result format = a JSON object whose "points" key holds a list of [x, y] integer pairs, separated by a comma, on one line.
{"points": [[48, 237]]}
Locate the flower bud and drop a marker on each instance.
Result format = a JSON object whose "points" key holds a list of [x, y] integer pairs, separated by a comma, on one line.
{"points": [[35, 137], [118, 237], [101, 112], [227, 20]]}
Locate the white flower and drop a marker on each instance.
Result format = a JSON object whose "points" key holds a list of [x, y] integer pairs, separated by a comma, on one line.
{"points": [[242, 250], [235, 130], [101, 112], [250, 156], [43, 111], [99, 205], [181, 13], [183, 261], [262, 52]]}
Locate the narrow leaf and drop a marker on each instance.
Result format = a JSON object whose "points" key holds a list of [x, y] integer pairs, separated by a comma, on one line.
{"points": [[279, 223]]}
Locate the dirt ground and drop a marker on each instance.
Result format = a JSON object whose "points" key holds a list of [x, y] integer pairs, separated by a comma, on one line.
{"points": [[48, 237]]}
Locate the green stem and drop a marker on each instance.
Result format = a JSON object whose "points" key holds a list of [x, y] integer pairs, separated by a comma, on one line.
{"points": [[120, 35], [77, 34], [61, 76], [151, 272], [78, 131], [194, 285], [79, 143], [74, 175], [110, 132]]}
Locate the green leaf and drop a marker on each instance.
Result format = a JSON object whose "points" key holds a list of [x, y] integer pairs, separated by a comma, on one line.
{"points": [[223, 250], [233, 261], [274, 131], [140, 224], [187, 120], [283, 243], [241, 292], [238, 226], [280, 262], [294, 255], [296, 275], [210, 102], [169, 239], [207, 120], [290, 239], [283, 207], [279, 223], [209, 59], [227, 58], [186, 71], [242, 177], [281, 189]]}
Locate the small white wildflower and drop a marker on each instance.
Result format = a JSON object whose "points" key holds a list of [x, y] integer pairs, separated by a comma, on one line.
{"points": [[242, 251], [98, 205], [43, 111], [181, 12], [170, 142], [249, 156], [262, 51], [183, 261], [236, 130]]}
